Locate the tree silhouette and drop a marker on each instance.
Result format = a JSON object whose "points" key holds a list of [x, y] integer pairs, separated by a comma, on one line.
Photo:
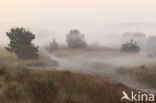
{"points": [[130, 46], [75, 39], [21, 43], [54, 45]]}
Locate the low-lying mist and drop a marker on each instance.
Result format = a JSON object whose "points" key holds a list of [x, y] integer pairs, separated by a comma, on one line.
{"points": [[102, 56], [95, 33], [108, 63]]}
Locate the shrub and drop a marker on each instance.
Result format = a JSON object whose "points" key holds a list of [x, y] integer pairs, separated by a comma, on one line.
{"points": [[130, 46], [147, 79], [67, 72], [21, 43], [42, 91], [1, 85], [75, 39], [13, 92], [2, 70], [54, 45], [8, 77], [23, 76]]}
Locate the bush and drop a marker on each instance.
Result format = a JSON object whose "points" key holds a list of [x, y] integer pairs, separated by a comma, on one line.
{"points": [[21, 43], [8, 77], [42, 91], [2, 70], [23, 76], [130, 46], [1, 86], [54, 45], [13, 92], [75, 39]]}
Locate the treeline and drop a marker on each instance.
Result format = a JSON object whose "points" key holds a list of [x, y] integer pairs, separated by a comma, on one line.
{"points": [[74, 39], [21, 42]]}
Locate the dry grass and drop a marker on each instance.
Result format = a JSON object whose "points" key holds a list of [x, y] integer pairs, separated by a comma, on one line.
{"points": [[77, 51], [18, 85], [145, 75], [58, 87], [11, 61]]}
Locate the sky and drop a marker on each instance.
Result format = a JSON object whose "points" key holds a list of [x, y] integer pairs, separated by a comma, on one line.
{"points": [[55, 18], [111, 11]]}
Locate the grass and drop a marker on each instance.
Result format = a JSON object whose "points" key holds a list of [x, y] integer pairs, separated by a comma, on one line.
{"points": [[6, 54], [19, 85], [148, 79], [144, 74], [11, 61], [2, 70], [42, 90], [8, 77], [34, 86], [13, 92], [147, 76]]}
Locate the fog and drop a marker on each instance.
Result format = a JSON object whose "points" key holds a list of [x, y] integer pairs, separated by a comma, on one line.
{"points": [[105, 34], [109, 64], [103, 62], [116, 43], [99, 20]]}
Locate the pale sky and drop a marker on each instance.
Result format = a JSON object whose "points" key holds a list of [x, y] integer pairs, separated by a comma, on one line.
{"points": [[78, 11]]}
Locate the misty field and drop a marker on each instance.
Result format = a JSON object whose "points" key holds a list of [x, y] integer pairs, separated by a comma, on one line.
{"points": [[78, 51], [134, 70], [89, 75]]}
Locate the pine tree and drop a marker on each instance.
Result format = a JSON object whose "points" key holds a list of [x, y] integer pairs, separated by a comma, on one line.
{"points": [[21, 43], [54, 45]]}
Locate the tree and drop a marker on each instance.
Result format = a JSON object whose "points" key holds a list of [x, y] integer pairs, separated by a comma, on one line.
{"points": [[54, 45], [21, 43], [75, 39], [130, 46]]}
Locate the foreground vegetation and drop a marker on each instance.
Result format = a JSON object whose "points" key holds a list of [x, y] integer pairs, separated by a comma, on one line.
{"points": [[145, 74], [30, 86], [21, 85]]}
